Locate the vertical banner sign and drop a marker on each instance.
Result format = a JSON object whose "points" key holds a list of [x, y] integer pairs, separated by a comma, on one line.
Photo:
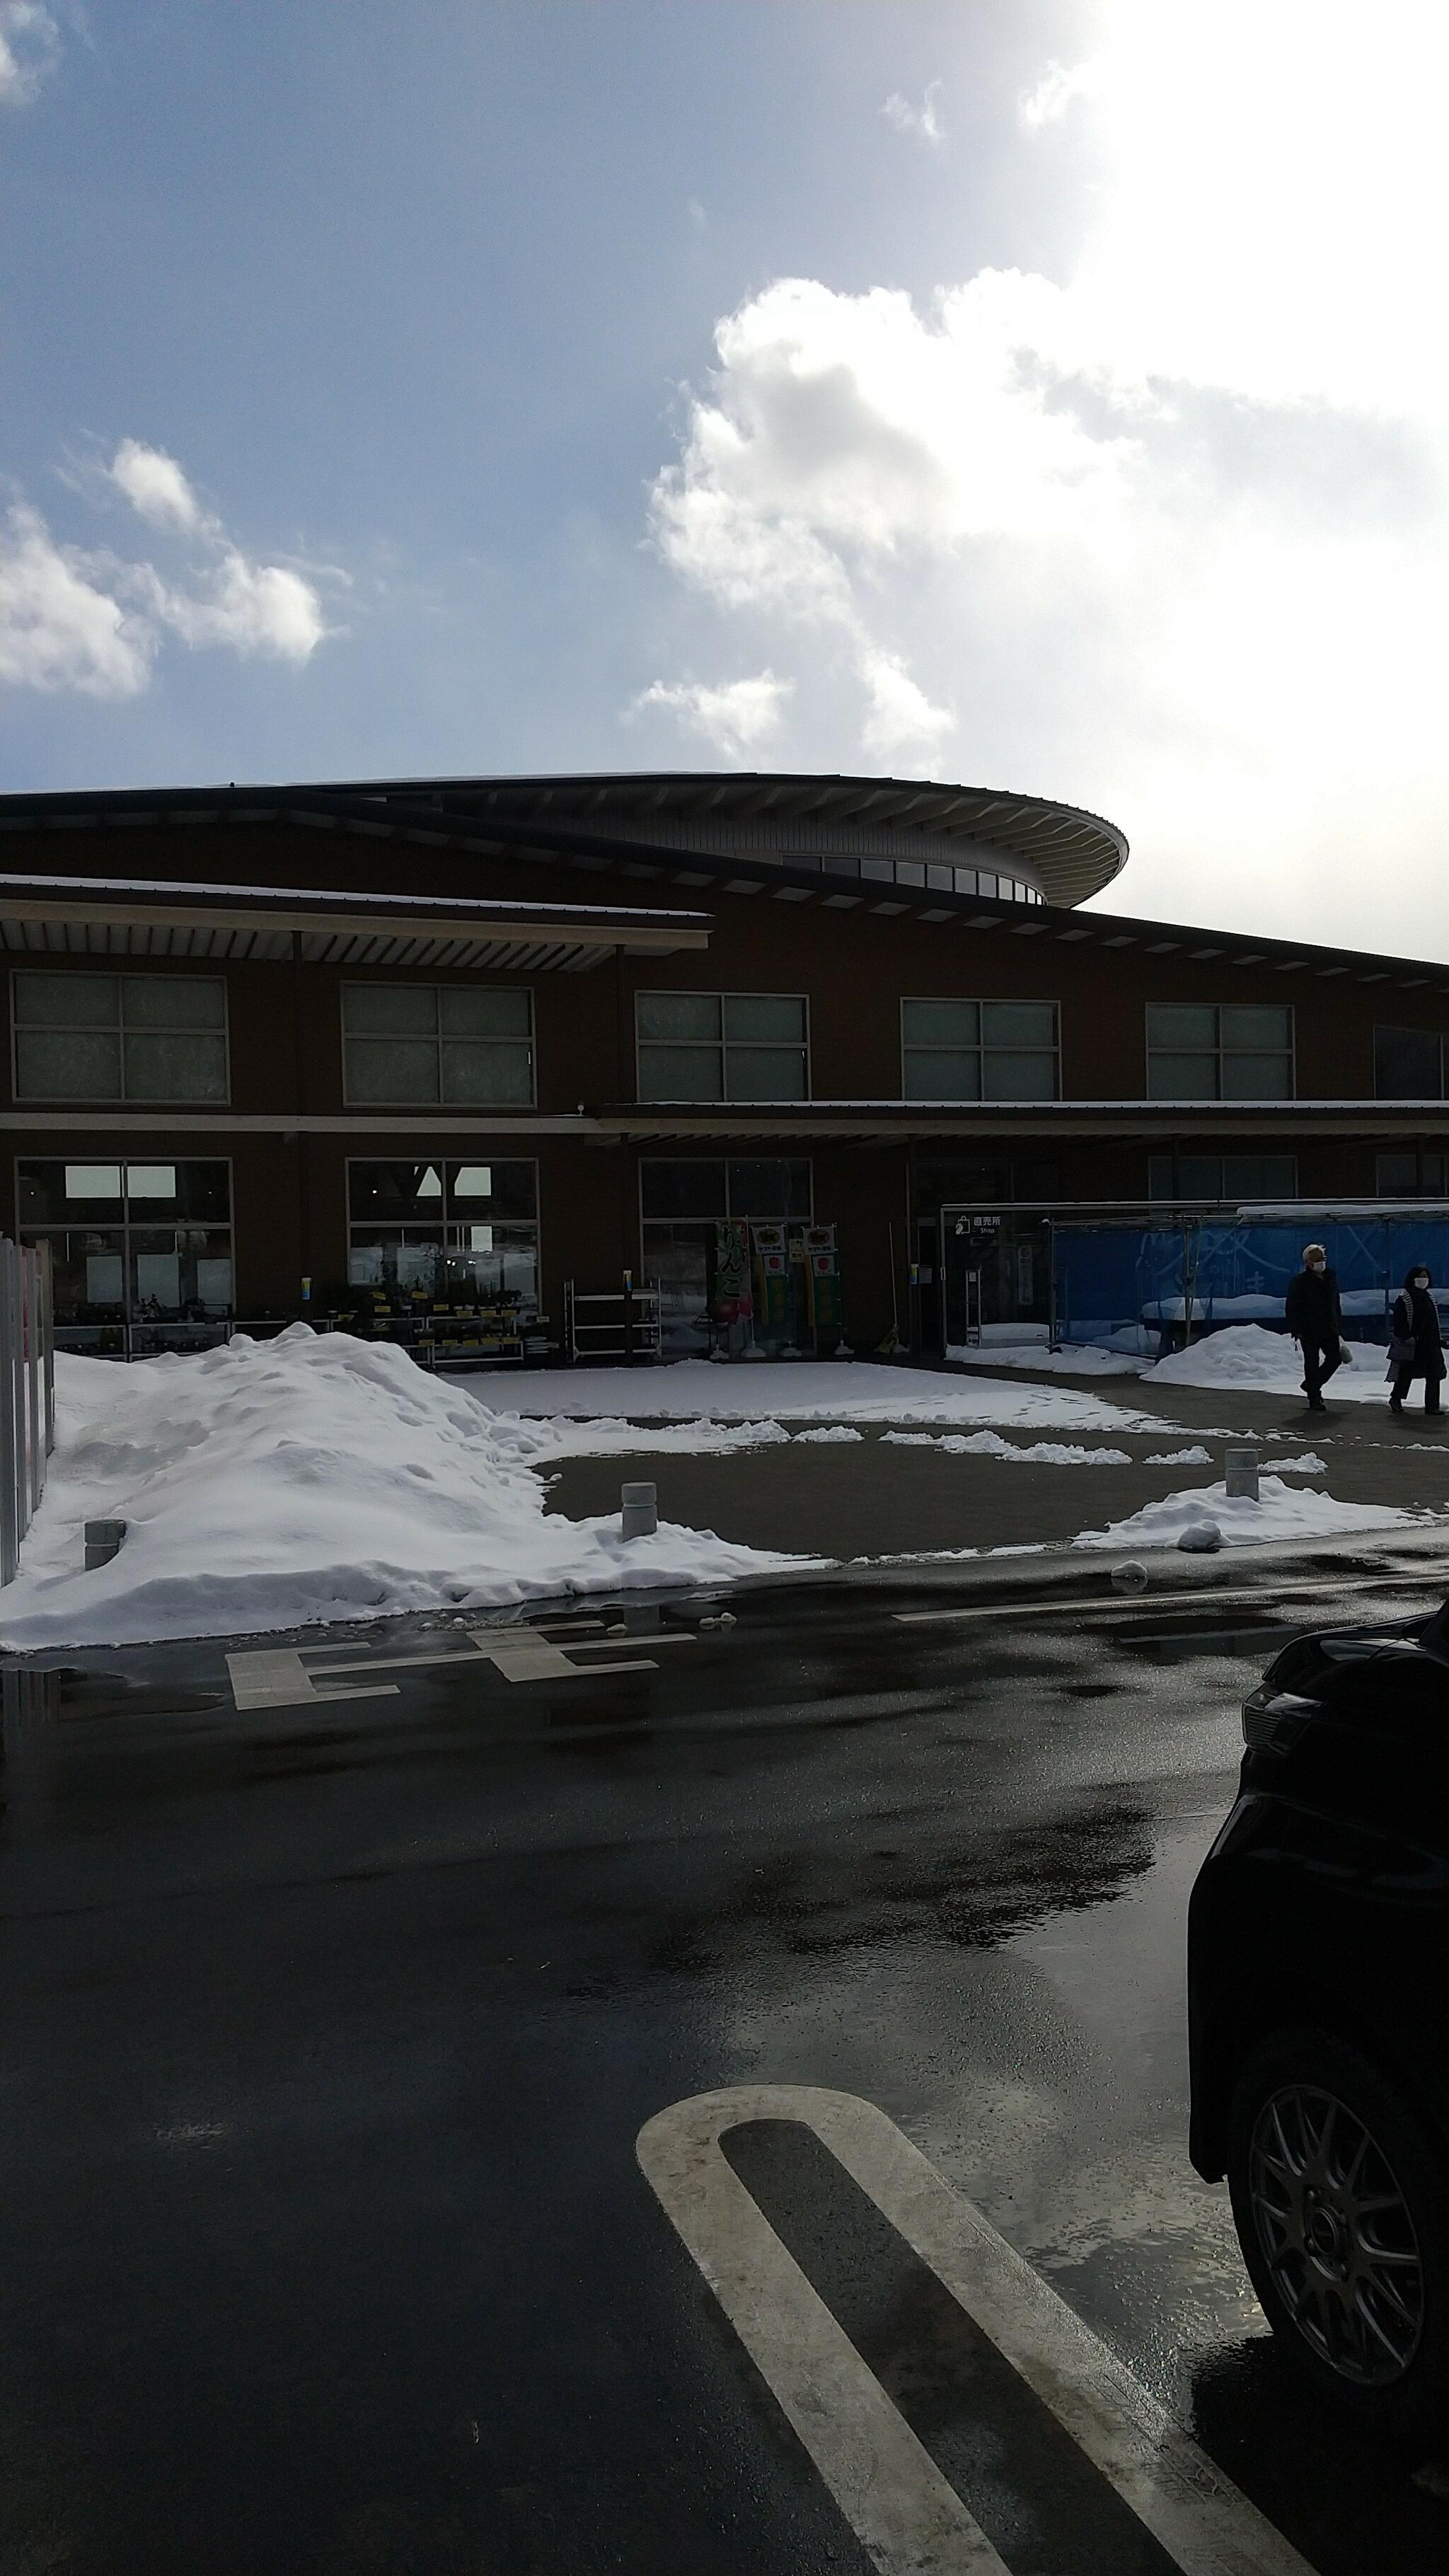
{"points": [[732, 1303], [772, 1276], [822, 1278]]}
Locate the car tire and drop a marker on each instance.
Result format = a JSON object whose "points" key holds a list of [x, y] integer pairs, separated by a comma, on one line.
{"points": [[1341, 2201]]}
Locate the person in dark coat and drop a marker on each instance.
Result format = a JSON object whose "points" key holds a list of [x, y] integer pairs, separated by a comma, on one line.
{"points": [[1418, 1342], [1315, 1320]]}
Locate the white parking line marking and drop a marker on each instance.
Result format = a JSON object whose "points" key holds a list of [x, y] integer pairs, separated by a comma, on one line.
{"points": [[278, 1677], [900, 2507], [1136, 1604]]}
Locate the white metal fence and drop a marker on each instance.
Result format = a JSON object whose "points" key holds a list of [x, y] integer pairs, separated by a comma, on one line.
{"points": [[27, 1391]]}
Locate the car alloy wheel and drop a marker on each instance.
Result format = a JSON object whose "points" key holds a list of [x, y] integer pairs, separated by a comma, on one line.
{"points": [[1336, 2235]]}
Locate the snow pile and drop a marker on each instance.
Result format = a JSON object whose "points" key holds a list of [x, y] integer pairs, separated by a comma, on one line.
{"points": [[838, 1431], [1074, 1359], [1281, 1512], [1194, 1457], [1310, 1464], [800, 1391], [989, 1444], [1245, 1356], [274, 1484], [1240, 1355], [538, 1444]]}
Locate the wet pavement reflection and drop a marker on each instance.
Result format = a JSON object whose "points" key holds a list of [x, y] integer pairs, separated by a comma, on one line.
{"points": [[331, 2026]]}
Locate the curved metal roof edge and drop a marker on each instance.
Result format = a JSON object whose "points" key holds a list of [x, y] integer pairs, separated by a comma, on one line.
{"points": [[851, 786], [1066, 876], [1117, 931]]}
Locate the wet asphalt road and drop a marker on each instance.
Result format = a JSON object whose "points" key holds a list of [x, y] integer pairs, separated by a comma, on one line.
{"points": [[330, 2028]]}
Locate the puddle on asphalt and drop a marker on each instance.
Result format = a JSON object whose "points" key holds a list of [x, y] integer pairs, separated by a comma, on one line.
{"points": [[1180, 1645]]}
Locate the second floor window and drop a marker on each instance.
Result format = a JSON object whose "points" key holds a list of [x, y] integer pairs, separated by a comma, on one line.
{"points": [[1226, 1179], [463, 1045], [723, 1046], [1241, 1051], [120, 1037], [1410, 1174], [979, 1050], [1408, 1064]]}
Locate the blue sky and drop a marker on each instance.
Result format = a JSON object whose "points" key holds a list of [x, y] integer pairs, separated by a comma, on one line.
{"points": [[1033, 394]]}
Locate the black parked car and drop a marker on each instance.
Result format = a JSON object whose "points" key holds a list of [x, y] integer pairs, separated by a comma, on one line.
{"points": [[1318, 1987]]}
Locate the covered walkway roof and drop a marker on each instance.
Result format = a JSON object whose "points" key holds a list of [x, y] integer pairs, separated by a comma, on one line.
{"points": [[147, 917]]}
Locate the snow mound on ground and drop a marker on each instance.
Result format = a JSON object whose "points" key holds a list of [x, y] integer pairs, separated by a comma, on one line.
{"points": [[1194, 1457], [836, 1432], [538, 1443], [989, 1444], [1080, 1359], [1281, 1512], [801, 1391], [1247, 1357], [276, 1484]]}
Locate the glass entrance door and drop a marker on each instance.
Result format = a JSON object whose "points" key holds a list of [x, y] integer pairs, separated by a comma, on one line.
{"points": [[995, 1270]]}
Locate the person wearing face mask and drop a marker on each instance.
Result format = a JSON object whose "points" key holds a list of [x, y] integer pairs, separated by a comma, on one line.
{"points": [[1417, 1345], [1315, 1320]]}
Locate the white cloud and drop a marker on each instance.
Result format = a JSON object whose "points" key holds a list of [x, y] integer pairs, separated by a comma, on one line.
{"points": [[154, 485], [1057, 91], [1169, 532], [253, 608], [59, 628], [736, 717], [900, 716], [94, 622], [29, 43], [698, 214], [845, 440], [923, 118]]}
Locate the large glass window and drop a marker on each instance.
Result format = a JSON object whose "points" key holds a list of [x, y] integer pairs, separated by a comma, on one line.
{"points": [[461, 1045], [722, 1046], [1408, 1064], [81, 1036], [466, 1228], [682, 1202], [954, 1050], [1200, 1051], [1225, 1179], [132, 1242]]}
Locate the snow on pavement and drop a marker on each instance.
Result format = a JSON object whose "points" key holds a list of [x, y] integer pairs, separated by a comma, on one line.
{"points": [[1077, 1359], [840, 1391], [276, 1484], [537, 1442], [1281, 1512], [989, 1444]]}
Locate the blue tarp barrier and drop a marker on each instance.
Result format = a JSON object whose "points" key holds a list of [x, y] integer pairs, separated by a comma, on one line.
{"points": [[1114, 1279]]}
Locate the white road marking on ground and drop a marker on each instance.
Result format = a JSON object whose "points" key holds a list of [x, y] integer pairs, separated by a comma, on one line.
{"points": [[277, 1677], [900, 2507], [1133, 1605]]}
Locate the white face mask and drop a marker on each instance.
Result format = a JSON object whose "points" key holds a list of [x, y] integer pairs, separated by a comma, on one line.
{"points": [[1315, 1265], [1421, 1279]]}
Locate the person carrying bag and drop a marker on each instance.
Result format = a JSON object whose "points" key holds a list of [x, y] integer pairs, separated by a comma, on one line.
{"points": [[1416, 1345], [1314, 1317]]}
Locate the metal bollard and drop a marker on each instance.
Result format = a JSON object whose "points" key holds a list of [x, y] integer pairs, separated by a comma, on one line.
{"points": [[1240, 1473], [638, 1510], [103, 1541]]}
